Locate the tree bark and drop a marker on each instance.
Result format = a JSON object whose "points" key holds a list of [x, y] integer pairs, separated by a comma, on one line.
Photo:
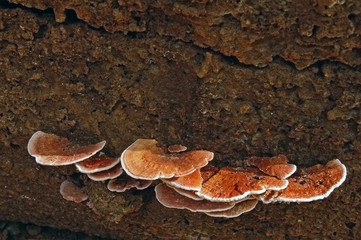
{"points": [[238, 78]]}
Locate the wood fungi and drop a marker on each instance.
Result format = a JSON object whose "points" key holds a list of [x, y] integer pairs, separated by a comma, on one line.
{"points": [[187, 182], [207, 172], [145, 160], [50, 149], [188, 194], [176, 148], [314, 183], [191, 181], [97, 164], [229, 184], [111, 173], [171, 199], [268, 197], [237, 210], [276, 166], [124, 184], [71, 192]]}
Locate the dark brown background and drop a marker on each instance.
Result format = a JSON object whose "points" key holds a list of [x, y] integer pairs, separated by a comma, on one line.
{"points": [[238, 78]]}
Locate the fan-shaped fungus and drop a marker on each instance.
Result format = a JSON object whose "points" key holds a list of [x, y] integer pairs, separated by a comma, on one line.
{"points": [[314, 183], [276, 166], [124, 184], [97, 164], [176, 148], [111, 173], [50, 149], [71, 192], [191, 181], [145, 160], [229, 184], [188, 194], [171, 199], [218, 192], [237, 210]]}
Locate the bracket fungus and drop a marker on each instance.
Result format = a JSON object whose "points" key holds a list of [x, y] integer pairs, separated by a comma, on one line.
{"points": [[276, 166], [230, 184], [111, 173], [72, 192], [177, 148], [124, 184], [50, 149], [97, 164], [171, 199], [188, 194], [267, 197], [237, 210], [145, 160], [314, 183], [191, 181], [187, 182], [207, 172]]}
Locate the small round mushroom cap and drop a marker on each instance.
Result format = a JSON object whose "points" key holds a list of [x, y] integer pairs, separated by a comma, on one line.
{"points": [[314, 183], [237, 210], [50, 149], [124, 184], [176, 148], [71, 192], [112, 173], [145, 160], [97, 164], [276, 166], [229, 184], [171, 199], [191, 181]]}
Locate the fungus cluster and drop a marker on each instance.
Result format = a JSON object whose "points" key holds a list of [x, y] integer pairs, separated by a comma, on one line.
{"points": [[183, 178]]}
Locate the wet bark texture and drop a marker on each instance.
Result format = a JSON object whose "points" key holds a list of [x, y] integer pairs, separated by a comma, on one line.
{"points": [[238, 78]]}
